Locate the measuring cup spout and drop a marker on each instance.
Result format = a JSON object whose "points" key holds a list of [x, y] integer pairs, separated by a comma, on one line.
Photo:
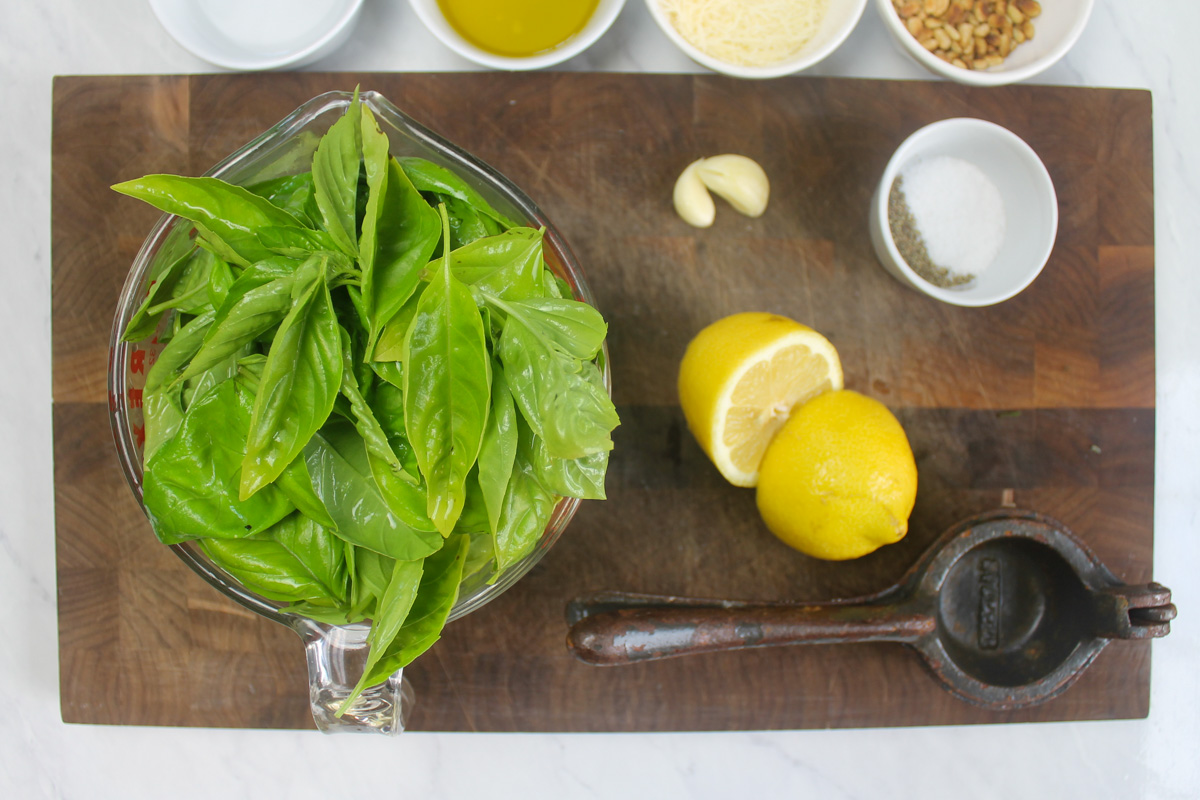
{"points": [[336, 657], [612, 629]]}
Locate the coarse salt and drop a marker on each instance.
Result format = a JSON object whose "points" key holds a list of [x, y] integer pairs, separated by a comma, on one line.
{"points": [[959, 212]]}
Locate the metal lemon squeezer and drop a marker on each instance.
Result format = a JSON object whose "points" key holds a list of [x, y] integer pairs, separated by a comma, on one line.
{"points": [[1007, 608]]}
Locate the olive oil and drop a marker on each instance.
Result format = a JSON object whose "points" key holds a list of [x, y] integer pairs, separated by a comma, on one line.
{"points": [[517, 28]]}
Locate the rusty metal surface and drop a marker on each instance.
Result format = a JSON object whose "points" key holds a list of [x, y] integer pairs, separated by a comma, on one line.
{"points": [[1008, 608]]}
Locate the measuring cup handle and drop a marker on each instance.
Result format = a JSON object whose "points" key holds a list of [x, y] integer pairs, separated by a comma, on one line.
{"points": [[629, 629], [1133, 612]]}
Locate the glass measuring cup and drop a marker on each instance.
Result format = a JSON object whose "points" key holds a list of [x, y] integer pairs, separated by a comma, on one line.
{"points": [[336, 654]]}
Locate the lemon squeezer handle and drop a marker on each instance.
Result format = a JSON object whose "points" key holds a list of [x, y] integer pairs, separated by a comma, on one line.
{"points": [[614, 629]]}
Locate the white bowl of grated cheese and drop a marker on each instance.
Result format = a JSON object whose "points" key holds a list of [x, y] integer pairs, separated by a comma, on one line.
{"points": [[757, 38], [965, 213]]}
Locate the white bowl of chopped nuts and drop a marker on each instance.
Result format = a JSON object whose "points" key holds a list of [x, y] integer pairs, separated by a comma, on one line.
{"points": [[965, 213], [985, 42]]}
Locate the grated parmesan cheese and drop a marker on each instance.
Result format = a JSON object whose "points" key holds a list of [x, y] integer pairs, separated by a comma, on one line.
{"points": [[749, 33]]}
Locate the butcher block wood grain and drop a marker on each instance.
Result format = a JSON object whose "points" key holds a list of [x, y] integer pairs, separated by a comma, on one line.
{"points": [[1048, 397]]}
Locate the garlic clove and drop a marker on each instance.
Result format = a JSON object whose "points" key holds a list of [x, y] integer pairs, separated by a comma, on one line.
{"points": [[738, 179], [692, 200]]}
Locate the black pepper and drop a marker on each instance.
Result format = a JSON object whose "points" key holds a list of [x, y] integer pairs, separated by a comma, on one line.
{"points": [[911, 244]]}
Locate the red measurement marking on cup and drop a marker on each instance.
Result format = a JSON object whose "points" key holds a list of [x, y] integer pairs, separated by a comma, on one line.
{"points": [[135, 398], [137, 361]]}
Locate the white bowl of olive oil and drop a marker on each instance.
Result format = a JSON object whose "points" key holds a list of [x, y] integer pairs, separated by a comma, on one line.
{"points": [[518, 34]]}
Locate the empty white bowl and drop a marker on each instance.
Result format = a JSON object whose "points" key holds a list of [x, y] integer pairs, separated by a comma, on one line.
{"points": [[839, 21], [259, 34], [1056, 30], [1030, 208], [602, 19]]}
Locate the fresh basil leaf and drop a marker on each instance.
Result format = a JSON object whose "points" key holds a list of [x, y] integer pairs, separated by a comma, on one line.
{"points": [[250, 370], [196, 386], [574, 328], [507, 265], [221, 211], [447, 387], [390, 371], [361, 363], [581, 477], [295, 194], [179, 351], [255, 304], [375, 156], [296, 485], [387, 403], [299, 382], [474, 517], [363, 417], [388, 406], [329, 613], [162, 410], [404, 497], [429, 177], [394, 253], [395, 603], [296, 242], [318, 550], [220, 281], [162, 296], [390, 346], [257, 274], [499, 448], [266, 565], [335, 178], [480, 554], [359, 306], [370, 579], [528, 506], [190, 482], [392, 609], [466, 224], [341, 477], [558, 396], [553, 285], [423, 625], [214, 244]]}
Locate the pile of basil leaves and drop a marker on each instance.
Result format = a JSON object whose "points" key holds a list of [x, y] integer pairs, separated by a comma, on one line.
{"points": [[372, 387]]}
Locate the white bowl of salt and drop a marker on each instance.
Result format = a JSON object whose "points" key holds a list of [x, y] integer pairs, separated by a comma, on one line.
{"points": [[965, 212]]}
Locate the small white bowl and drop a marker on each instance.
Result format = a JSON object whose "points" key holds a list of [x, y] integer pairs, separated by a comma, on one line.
{"points": [[1056, 30], [839, 21], [602, 19], [1030, 208], [259, 34]]}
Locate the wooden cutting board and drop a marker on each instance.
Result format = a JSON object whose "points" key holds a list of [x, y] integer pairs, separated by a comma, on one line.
{"points": [[1049, 395]]}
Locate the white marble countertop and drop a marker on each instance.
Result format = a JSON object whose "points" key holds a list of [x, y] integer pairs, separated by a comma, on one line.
{"points": [[1126, 45]]}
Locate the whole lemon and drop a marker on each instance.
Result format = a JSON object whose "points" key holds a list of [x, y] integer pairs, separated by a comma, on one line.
{"points": [[838, 481]]}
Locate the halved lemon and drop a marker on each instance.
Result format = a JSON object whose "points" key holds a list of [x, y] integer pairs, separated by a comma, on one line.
{"points": [[740, 379]]}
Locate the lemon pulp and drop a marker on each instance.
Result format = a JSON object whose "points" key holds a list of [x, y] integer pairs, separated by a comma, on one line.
{"points": [[517, 28], [740, 378]]}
